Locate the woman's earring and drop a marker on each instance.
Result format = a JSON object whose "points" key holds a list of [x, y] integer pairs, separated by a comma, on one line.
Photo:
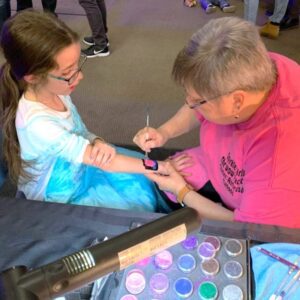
{"points": [[237, 115]]}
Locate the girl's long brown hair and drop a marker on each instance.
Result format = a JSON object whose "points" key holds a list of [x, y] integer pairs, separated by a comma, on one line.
{"points": [[30, 40]]}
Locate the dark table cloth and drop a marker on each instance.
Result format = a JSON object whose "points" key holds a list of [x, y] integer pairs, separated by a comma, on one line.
{"points": [[34, 233]]}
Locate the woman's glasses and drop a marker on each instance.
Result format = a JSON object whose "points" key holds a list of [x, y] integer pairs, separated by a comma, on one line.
{"points": [[74, 76], [196, 104], [200, 102]]}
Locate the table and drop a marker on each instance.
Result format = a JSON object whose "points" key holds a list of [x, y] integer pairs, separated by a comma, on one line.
{"points": [[34, 233]]}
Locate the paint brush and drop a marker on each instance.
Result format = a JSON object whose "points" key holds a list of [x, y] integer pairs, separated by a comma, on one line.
{"points": [[147, 126], [284, 281], [278, 258], [289, 286], [294, 287]]}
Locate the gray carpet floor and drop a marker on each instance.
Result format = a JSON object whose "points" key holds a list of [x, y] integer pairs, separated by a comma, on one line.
{"points": [[145, 37]]}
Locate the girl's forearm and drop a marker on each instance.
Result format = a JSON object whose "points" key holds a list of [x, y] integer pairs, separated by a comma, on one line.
{"points": [[126, 164], [122, 163]]}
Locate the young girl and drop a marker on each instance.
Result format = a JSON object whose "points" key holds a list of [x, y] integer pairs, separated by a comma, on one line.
{"points": [[49, 151]]}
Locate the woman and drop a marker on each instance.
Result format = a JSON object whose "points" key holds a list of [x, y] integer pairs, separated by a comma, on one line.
{"points": [[247, 102]]}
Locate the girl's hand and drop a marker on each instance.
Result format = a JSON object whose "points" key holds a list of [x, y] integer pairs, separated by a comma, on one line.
{"points": [[102, 153], [181, 162], [148, 138]]}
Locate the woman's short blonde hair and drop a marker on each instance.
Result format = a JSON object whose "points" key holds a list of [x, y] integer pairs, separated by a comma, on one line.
{"points": [[225, 55]]}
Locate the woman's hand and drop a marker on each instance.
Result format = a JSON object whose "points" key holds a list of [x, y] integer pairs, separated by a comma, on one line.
{"points": [[148, 138], [101, 153], [170, 181], [181, 162]]}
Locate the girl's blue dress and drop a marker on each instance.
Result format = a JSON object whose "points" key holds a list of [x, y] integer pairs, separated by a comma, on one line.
{"points": [[54, 143]]}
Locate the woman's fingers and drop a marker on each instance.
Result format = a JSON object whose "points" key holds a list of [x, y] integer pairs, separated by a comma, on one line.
{"points": [[148, 138], [169, 182], [182, 161]]}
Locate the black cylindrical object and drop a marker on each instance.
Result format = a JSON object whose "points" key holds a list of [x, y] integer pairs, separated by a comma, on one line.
{"points": [[76, 270]]}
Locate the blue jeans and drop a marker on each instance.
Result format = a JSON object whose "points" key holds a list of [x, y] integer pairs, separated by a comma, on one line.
{"points": [[251, 9]]}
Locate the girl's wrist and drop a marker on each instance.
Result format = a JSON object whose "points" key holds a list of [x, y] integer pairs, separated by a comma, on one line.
{"points": [[150, 164]]}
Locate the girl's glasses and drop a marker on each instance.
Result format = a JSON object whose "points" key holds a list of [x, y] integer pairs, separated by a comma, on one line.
{"points": [[73, 77]]}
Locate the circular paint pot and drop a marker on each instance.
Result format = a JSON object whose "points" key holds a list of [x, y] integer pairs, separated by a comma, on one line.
{"points": [[183, 287], [232, 292], [129, 297], [233, 247], [210, 267], [144, 262], [233, 269], [135, 281], [163, 259], [208, 291], [215, 241], [186, 263], [190, 243], [206, 250], [159, 283]]}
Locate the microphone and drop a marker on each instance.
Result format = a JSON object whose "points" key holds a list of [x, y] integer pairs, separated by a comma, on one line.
{"points": [[80, 268]]}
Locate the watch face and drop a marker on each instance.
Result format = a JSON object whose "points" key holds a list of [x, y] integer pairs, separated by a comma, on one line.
{"points": [[150, 164]]}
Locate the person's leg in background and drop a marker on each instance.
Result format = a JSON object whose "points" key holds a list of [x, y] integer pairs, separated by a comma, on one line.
{"points": [[102, 6], [89, 40], [5, 11], [271, 29], [208, 6], [49, 5], [23, 4], [224, 5], [291, 18], [251, 10], [96, 14]]}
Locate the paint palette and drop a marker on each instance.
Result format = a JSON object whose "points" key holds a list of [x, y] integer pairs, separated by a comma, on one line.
{"points": [[201, 267]]}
